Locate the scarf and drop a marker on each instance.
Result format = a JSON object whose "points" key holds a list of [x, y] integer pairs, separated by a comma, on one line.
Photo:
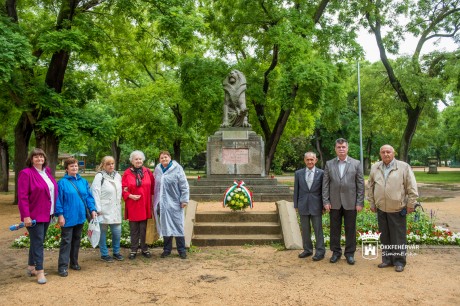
{"points": [[139, 174], [111, 175], [164, 169]]}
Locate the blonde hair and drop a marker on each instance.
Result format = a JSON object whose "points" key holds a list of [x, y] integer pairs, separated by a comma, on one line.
{"points": [[104, 161]]}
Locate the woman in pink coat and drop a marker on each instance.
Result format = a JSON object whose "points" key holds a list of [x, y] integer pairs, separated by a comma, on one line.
{"points": [[137, 190], [37, 194]]}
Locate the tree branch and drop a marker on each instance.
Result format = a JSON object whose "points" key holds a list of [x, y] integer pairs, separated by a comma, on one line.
{"points": [[320, 10], [270, 69]]}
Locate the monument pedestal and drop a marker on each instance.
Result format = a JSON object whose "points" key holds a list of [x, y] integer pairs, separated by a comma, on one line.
{"points": [[235, 151]]}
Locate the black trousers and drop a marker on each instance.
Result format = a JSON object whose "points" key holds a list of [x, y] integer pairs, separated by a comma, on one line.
{"points": [[180, 243], [316, 222], [37, 236], [70, 246], [349, 218], [138, 231], [392, 227]]}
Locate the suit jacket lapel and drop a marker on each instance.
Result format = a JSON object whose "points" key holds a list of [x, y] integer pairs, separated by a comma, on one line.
{"points": [[336, 168], [347, 165]]}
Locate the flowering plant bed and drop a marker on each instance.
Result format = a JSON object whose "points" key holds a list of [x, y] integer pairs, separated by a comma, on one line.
{"points": [[238, 197], [53, 238]]}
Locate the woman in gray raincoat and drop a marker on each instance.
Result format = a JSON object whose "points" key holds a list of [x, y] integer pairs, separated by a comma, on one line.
{"points": [[170, 198]]}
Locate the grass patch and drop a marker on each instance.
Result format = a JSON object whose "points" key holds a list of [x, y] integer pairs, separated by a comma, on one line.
{"points": [[278, 246], [446, 177], [431, 199], [443, 177]]}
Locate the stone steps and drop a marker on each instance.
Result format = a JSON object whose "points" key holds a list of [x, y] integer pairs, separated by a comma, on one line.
{"points": [[264, 189], [227, 228], [233, 240], [237, 228]]}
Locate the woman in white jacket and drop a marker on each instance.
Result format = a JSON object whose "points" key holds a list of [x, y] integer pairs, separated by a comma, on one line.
{"points": [[106, 189]]}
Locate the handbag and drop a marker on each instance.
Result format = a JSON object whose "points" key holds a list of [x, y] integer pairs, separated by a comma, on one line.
{"points": [[89, 217]]}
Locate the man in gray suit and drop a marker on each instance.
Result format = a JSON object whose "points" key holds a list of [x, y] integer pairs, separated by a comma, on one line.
{"points": [[343, 197], [309, 204]]}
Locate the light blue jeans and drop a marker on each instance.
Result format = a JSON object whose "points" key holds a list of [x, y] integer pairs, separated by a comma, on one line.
{"points": [[116, 236]]}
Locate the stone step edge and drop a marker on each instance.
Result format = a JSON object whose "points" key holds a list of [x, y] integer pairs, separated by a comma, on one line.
{"points": [[237, 224], [217, 212], [237, 237]]}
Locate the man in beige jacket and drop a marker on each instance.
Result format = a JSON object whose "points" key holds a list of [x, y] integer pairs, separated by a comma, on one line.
{"points": [[392, 194]]}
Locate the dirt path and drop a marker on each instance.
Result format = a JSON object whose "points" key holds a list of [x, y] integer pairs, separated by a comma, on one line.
{"points": [[233, 275]]}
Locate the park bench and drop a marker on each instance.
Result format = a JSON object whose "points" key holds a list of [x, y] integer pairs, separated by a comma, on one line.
{"points": [[419, 167]]}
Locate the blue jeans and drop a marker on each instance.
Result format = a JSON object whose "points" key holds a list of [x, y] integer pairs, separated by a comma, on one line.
{"points": [[116, 236], [37, 235]]}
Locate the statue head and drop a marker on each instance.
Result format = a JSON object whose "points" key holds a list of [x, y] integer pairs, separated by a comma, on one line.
{"points": [[236, 77]]}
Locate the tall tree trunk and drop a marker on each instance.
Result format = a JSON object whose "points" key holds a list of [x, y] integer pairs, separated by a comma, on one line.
{"points": [[4, 165], [318, 146], [22, 132], [413, 115], [11, 11], [116, 150], [177, 142], [55, 80], [270, 146], [367, 157], [177, 150]]}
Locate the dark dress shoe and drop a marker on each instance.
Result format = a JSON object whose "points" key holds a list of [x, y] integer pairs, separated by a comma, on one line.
{"points": [[399, 268], [305, 254], [350, 260], [164, 255], [384, 265], [75, 267], [318, 257], [335, 258], [63, 273], [183, 255]]}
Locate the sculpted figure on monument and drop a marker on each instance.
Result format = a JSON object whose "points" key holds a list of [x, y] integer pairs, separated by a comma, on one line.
{"points": [[235, 110]]}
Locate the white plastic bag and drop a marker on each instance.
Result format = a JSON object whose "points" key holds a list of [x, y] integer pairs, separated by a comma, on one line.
{"points": [[94, 232]]}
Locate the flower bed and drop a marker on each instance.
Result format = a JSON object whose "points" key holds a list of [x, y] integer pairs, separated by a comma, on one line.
{"points": [[422, 231], [53, 238]]}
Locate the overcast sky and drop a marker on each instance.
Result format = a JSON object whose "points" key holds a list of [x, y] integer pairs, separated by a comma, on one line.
{"points": [[407, 47]]}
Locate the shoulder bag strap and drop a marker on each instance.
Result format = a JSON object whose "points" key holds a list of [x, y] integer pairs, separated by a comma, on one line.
{"points": [[78, 191]]}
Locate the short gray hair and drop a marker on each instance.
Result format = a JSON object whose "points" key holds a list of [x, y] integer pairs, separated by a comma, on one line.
{"points": [[136, 153], [310, 153]]}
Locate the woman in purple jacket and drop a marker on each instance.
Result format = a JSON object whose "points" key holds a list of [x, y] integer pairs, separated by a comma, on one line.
{"points": [[37, 194]]}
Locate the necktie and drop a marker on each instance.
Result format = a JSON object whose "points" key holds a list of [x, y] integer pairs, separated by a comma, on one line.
{"points": [[309, 178]]}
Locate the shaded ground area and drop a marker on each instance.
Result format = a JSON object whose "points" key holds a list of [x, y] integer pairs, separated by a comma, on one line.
{"points": [[249, 275]]}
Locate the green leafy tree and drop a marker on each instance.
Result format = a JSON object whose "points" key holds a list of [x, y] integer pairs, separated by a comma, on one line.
{"points": [[416, 82], [284, 49]]}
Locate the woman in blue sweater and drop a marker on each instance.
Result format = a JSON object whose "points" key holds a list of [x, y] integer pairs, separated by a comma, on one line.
{"points": [[74, 194]]}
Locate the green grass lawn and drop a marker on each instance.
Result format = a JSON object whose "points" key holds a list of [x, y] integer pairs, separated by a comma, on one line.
{"points": [[446, 177], [443, 177]]}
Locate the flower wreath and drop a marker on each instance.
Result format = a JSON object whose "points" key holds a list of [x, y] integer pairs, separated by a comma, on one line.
{"points": [[238, 197]]}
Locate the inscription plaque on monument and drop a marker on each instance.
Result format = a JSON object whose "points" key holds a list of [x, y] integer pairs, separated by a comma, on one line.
{"points": [[235, 156]]}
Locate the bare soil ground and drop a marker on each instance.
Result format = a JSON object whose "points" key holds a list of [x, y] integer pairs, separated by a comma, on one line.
{"points": [[248, 275]]}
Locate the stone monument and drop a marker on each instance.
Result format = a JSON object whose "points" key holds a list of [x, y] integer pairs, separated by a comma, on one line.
{"points": [[235, 150]]}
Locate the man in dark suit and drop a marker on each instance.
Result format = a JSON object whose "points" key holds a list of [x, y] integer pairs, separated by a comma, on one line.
{"points": [[343, 197], [309, 204]]}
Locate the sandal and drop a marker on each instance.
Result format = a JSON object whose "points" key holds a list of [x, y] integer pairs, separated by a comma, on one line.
{"points": [[41, 277], [132, 255], [31, 272]]}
